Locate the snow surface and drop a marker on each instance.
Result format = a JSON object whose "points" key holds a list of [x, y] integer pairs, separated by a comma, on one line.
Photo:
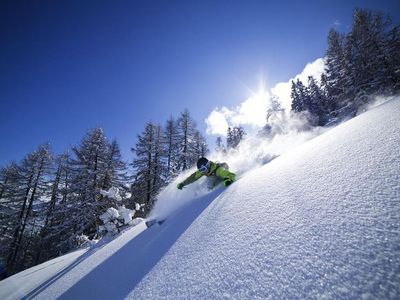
{"points": [[320, 221], [22, 283]]}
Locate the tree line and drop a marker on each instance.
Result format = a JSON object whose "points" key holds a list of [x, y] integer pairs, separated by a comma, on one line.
{"points": [[161, 153], [234, 136], [51, 203], [358, 66]]}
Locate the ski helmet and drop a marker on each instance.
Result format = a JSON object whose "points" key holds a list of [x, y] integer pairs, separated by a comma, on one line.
{"points": [[201, 162]]}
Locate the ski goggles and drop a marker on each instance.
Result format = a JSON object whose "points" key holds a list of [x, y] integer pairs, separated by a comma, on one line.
{"points": [[205, 168]]}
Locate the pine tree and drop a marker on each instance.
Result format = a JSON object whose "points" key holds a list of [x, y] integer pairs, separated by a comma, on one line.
{"points": [[8, 177], [115, 169], [50, 233], [369, 64], [64, 216], [318, 102], [363, 63], [300, 95], [392, 59], [186, 138], [296, 103], [362, 53], [9, 206], [148, 166], [337, 72], [171, 147], [90, 169], [201, 148], [330, 104], [45, 205], [159, 166], [234, 136], [31, 187]]}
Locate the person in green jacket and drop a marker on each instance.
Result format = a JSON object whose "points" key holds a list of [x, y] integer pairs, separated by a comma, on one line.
{"points": [[217, 172]]}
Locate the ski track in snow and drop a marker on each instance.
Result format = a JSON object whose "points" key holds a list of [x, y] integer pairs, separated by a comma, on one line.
{"points": [[319, 222]]}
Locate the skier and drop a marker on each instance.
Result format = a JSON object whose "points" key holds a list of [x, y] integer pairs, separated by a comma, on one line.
{"points": [[216, 172]]}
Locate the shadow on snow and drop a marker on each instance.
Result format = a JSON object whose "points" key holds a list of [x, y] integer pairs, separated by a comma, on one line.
{"points": [[117, 276]]}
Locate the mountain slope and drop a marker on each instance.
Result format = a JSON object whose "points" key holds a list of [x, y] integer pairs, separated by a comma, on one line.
{"points": [[319, 221]]}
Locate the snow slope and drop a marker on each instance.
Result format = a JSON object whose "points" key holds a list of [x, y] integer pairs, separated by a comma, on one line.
{"points": [[23, 282], [320, 221]]}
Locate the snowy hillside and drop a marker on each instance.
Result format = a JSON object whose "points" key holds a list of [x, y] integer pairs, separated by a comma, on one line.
{"points": [[320, 221]]}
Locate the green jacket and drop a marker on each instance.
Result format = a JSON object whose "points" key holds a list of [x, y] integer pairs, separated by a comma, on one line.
{"points": [[215, 170]]}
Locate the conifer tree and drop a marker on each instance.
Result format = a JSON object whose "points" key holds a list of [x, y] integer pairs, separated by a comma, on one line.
{"points": [[90, 169], [201, 147], [8, 178], [10, 206], [296, 104], [45, 205], [392, 59], [53, 221], [115, 169], [361, 63], [186, 135], [301, 99], [171, 147], [159, 166], [64, 216], [31, 187], [318, 105], [234, 136], [148, 166]]}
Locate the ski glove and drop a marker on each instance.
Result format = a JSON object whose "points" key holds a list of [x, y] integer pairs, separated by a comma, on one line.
{"points": [[180, 186], [227, 182]]}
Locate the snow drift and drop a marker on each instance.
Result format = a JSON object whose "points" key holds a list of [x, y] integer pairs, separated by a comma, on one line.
{"points": [[319, 221]]}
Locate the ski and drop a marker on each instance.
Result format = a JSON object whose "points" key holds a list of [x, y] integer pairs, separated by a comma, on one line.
{"points": [[152, 222]]}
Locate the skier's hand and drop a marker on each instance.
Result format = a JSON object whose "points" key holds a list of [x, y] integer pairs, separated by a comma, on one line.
{"points": [[227, 182], [180, 186]]}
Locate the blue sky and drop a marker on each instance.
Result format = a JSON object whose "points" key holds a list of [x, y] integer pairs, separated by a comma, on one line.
{"points": [[68, 66]]}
